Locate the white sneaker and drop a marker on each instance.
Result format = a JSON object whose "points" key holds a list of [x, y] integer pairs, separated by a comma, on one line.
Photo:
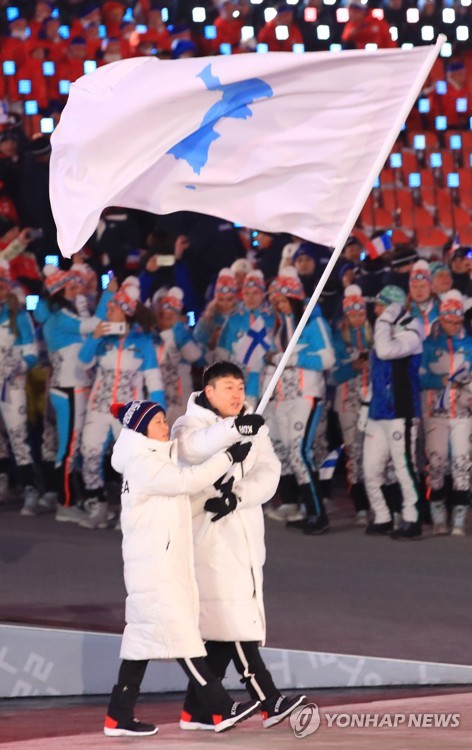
{"points": [[96, 516], [30, 505], [362, 519], [286, 512], [459, 516], [48, 502], [440, 529], [72, 514], [439, 515]]}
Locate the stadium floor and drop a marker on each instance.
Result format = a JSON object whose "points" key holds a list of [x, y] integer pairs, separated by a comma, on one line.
{"points": [[342, 592], [76, 723]]}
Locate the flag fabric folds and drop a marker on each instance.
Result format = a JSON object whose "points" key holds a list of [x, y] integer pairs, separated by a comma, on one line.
{"points": [[278, 142]]}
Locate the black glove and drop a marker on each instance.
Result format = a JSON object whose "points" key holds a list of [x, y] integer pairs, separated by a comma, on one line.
{"points": [[238, 452], [225, 504], [249, 425]]}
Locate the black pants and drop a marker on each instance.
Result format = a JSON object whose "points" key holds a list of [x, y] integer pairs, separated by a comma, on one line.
{"points": [[248, 662], [210, 693]]}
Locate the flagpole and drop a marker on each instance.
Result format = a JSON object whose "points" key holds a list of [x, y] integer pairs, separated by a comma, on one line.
{"points": [[353, 214]]}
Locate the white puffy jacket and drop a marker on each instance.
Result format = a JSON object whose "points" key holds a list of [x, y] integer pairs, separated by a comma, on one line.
{"points": [[162, 602], [230, 553]]}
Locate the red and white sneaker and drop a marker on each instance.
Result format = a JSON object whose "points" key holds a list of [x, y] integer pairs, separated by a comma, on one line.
{"points": [[238, 712], [282, 708], [189, 722], [133, 728]]}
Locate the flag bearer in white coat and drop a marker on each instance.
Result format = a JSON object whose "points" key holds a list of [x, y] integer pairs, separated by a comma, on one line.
{"points": [[228, 535], [162, 602]]}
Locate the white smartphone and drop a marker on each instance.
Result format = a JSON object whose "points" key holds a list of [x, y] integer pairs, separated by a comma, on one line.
{"points": [[115, 329], [166, 260]]}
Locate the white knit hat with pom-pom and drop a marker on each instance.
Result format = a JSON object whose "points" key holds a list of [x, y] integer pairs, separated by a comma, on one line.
{"points": [[173, 300], [288, 283], [127, 298], [421, 271], [54, 278], [353, 298], [452, 304], [254, 280]]}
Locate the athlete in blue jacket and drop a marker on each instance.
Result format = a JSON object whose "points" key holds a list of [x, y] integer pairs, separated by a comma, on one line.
{"points": [[394, 412]]}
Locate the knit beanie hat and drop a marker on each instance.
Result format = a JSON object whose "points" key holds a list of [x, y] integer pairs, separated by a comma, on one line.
{"points": [[452, 304], [82, 272], [131, 281], [421, 272], [353, 299], [436, 267], [127, 298], [306, 248], [136, 415], [288, 283], [54, 278], [254, 280], [172, 300], [226, 282], [241, 265], [403, 255], [391, 294], [5, 273]]}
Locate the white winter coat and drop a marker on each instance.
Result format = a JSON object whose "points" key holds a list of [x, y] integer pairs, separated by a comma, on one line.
{"points": [[162, 602], [230, 553]]}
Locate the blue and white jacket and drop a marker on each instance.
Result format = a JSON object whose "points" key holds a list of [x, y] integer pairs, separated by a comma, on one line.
{"points": [[395, 364], [206, 328], [312, 356], [447, 358], [64, 332], [124, 364], [353, 387], [18, 352], [176, 352], [245, 339]]}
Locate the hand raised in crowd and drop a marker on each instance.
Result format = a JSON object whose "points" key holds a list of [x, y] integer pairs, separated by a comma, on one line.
{"points": [[238, 452], [100, 330], [181, 244], [113, 286], [152, 264], [249, 424], [24, 236]]}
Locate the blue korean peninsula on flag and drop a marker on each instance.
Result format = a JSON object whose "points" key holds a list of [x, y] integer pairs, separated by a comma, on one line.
{"points": [[278, 141]]}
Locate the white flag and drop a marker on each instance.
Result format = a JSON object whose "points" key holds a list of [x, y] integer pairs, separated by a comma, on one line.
{"points": [[279, 142]]}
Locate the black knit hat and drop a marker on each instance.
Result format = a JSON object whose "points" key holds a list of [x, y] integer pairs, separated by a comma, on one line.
{"points": [[403, 255], [136, 415]]}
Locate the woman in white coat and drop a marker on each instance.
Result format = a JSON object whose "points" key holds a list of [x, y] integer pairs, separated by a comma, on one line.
{"points": [[162, 603]]}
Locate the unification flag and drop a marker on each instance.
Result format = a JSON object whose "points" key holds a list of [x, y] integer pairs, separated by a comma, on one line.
{"points": [[279, 142]]}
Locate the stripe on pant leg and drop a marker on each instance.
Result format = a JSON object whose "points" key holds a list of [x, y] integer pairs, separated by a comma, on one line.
{"points": [[308, 439], [194, 671], [311, 425], [409, 460], [247, 672]]}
